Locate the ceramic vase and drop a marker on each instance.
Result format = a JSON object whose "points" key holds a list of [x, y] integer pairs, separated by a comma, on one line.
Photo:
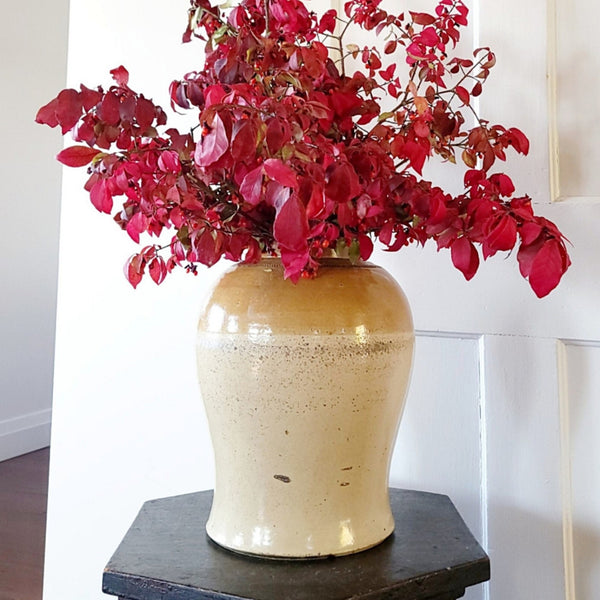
{"points": [[304, 387]]}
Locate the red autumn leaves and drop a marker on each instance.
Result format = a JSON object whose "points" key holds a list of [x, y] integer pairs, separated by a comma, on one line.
{"points": [[293, 155]]}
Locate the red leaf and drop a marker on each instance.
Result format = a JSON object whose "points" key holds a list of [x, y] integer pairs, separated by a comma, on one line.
{"points": [[502, 236], [529, 233], [477, 89], [109, 109], [278, 133], [157, 269], [291, 226], [421, 128], [86, 132], [429, 37], [77, 156], [504, 183], [317, 207], [276, 195], [388, 73], [235, 245], [488, 158], [251, 187], [243, 140], [343, 184], [178, 95], [46, 115], [89, 98], [345, 103], [373, 61], [127, 108], [253, 253], [168, 161], [478, 139], [519, 140], [101, 197], [214, 94], [136, 225], [208, 247], [212, 145], [294, 262], [327, 22], [144, 113], [385, 234], [318, 110], [134, 269], [414, 52], [464, 257], [120, 75], [463, 94], [546, 268], [416, 154], [346, 215], [525, 257], [390, 46], [400, 241], [280, 172], [365, 245], [422, 18], [68, 109]]}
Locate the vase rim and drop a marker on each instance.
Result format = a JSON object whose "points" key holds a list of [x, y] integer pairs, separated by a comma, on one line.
{"points": [[327, 260]]}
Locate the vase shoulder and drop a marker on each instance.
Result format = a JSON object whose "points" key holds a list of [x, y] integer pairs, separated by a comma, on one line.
{"points": [[341, 299]]}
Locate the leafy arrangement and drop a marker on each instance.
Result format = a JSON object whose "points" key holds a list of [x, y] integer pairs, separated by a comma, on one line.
{"points": [[294, 154]]}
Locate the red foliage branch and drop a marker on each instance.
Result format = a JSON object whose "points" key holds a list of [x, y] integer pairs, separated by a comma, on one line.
{"points": [[292, 155]]}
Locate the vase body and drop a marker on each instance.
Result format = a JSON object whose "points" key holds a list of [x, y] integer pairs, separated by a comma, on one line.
{"points": [[304, 387]]}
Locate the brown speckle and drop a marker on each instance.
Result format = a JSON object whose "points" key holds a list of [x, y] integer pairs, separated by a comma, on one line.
{"points": [[344, 483], [346, 468], [283, 478]]}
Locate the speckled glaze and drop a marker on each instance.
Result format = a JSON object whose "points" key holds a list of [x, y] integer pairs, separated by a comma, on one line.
{"points": [[304, 387]]}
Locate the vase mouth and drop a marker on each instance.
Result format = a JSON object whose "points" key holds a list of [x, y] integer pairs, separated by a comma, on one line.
{"points": [[273, 263], [330, 258]]}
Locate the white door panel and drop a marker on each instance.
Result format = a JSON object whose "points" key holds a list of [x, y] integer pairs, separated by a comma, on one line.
{"points": [[576, 55], [439, 447], [580, 378], [431, 455], [523, 468], [540, 382]]}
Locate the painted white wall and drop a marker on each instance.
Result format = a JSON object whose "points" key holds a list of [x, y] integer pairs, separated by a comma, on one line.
{"points": [[33, 46], [127, 421]]}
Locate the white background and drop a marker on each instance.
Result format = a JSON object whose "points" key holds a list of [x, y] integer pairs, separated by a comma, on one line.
{"points": [[501, 413]]}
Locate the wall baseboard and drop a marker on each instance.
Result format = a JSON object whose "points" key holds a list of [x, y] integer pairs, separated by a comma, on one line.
{"points": [[24, 434]]}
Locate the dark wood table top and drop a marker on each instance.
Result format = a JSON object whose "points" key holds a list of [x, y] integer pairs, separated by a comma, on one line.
{"points": [[166, 555]]}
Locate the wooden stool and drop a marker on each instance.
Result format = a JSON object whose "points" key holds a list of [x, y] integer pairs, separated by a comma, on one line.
{"points": [[166, 555]]}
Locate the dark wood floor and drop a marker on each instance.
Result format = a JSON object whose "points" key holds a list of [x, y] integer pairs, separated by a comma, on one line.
{"points": [[23, 499]]}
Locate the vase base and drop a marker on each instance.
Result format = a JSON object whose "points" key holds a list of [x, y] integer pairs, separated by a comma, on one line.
{"points": [[296, 558]]}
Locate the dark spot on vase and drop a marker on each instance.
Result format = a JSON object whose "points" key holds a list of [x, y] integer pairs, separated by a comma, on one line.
{"points": [[283, 478], [346, 468], [344, 483]]}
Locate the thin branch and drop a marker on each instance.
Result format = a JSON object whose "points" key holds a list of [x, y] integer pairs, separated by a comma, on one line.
{"points": [[267, 17]]}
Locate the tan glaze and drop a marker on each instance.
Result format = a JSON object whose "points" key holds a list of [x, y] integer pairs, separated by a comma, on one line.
{"points": [[304, 387]]}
